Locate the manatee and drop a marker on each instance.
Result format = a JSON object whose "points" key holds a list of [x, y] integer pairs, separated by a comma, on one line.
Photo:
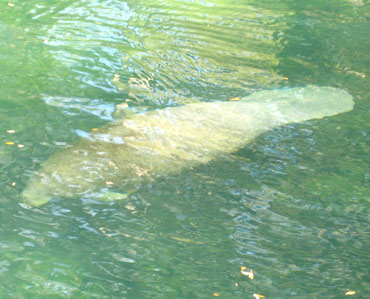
{"points": [[123, 155]]}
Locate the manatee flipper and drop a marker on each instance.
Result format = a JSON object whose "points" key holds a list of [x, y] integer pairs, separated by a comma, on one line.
{"points": [[37, 200]]}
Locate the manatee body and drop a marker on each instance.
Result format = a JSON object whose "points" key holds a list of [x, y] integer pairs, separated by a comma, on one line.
{"points": [[128, 152]]}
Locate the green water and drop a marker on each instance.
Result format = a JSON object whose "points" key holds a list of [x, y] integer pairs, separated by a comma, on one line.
{"points": [[293, 205]]}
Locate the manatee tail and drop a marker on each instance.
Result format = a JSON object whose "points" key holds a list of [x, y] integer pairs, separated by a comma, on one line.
{"points": [[304, 103]]}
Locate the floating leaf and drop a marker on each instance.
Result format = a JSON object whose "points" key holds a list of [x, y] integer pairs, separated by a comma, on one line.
{"points": [[115, 78], [350, 293], [130, 207], [20, 145], [249, 273], [122, 106], [286, 78], [257, 296], [216, 294], [109, 183], [104, 231], [10, 131], [362, 75], [95, 129], [9, 143], [234, 99], [10, 4]]}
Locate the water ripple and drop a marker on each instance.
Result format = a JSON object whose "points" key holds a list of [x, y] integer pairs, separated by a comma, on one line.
{"points": [[174, 45]]}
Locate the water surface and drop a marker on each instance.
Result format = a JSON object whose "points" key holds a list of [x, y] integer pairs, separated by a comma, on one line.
{"points": [[293, 205]]}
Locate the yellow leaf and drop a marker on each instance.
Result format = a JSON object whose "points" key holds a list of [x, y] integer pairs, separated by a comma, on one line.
{"points": [[234, 99], [350, 293], [104, 231], [249, 273], [9, 143], [216, 294], [286, 78], [95, 129], [257, 296], [115, 78]]}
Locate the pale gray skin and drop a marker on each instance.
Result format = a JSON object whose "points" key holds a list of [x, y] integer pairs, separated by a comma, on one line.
{"points": [[118, 158]]}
